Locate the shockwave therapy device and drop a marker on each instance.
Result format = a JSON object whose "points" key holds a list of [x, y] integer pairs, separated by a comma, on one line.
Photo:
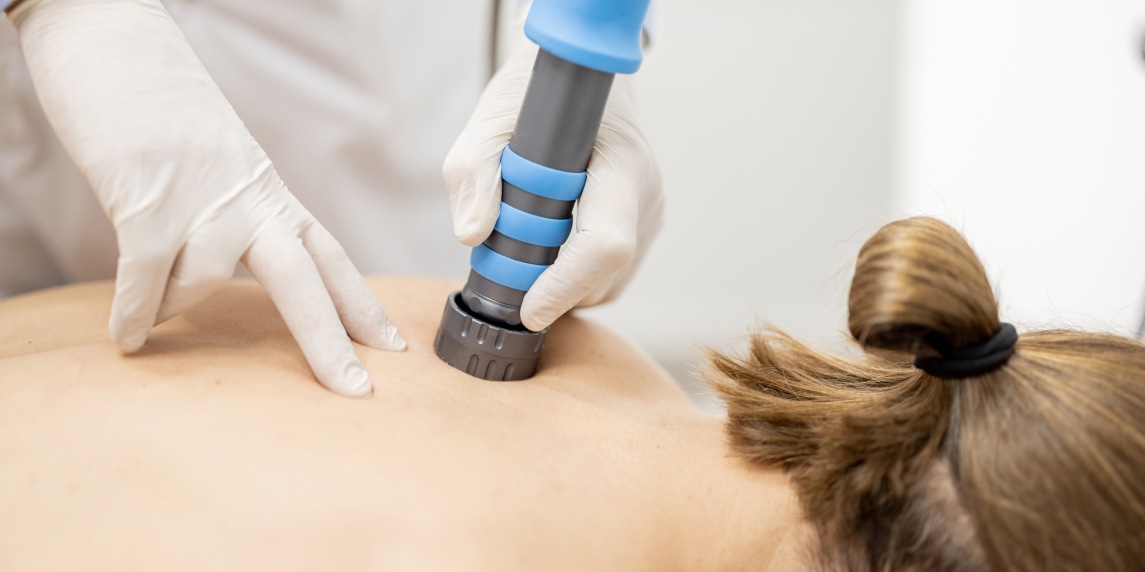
{"points": [[583, 44]]}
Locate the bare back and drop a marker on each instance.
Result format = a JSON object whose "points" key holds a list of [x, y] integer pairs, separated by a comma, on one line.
{"points": [[214, 448]]}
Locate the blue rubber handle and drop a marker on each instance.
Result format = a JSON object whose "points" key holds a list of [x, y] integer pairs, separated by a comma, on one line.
{"points": [[602, 35], [539, 179], [527, 227], [504, 270]]}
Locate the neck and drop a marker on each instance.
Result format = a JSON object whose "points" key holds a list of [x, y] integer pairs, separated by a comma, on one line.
{"points": [[742, 516]]}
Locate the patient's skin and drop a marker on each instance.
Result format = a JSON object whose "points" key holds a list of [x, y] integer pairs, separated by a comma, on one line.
{"points": [[215, 448]]}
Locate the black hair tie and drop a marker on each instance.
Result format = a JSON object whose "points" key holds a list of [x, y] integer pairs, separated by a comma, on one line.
{"points": [[973, 360]]}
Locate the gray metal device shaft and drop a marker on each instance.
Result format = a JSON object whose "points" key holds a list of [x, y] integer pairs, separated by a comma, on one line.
{"points": [[556, 128], [561, 114]]}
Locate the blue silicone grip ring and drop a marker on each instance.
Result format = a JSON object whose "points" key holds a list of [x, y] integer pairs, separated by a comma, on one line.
{"points": [[504, 270], [539, 179], [533, 229]]}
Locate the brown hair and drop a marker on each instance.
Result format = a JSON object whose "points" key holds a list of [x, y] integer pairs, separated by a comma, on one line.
{"points": [[1037, 465]]}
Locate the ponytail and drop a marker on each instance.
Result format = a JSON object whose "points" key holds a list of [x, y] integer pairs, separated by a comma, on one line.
{"points": [[899, 469]]}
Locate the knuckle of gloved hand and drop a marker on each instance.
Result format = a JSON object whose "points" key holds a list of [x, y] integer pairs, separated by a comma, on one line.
{"points": [[218, 269], [459, 164], [652, 203], [653, 176], [141, 146], [613, 250], [139, 252], [331, 254], [324, 247], [202, 270]]}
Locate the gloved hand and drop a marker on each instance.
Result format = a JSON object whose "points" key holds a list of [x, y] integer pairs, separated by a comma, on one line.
{"points": [[188, 189], [619, 211]]}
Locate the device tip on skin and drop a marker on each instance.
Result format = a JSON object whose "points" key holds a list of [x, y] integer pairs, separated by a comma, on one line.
{"points": [[486, 348]]}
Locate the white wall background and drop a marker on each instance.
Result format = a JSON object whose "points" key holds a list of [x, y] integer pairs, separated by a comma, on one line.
{"points": [[788, 130], [772, 121], [1023, 122]]}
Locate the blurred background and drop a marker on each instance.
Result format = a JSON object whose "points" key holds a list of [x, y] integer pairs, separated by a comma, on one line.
{"points": [[789, 130]]}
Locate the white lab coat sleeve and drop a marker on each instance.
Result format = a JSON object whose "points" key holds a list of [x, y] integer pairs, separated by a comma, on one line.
{"points": [[54, 230], [355, 125]]}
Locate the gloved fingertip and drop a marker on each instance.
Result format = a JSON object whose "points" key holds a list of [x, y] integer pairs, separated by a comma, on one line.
{"points": [[380, 335], [127, 340], [395, 342], [536, 320], [131, 346], [476, 212], [356, 384], [471, 228]]}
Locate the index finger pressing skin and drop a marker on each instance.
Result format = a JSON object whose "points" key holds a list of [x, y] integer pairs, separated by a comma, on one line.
{"points": [[280, 262], [140, 281], [359, 309]]}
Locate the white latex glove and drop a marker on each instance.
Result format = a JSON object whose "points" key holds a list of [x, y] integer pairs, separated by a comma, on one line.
{"points": [[189, 191], [619, 212]]}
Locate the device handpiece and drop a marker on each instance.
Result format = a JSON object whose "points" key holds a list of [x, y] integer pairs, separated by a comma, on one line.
{"points": [[583, 44]]}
